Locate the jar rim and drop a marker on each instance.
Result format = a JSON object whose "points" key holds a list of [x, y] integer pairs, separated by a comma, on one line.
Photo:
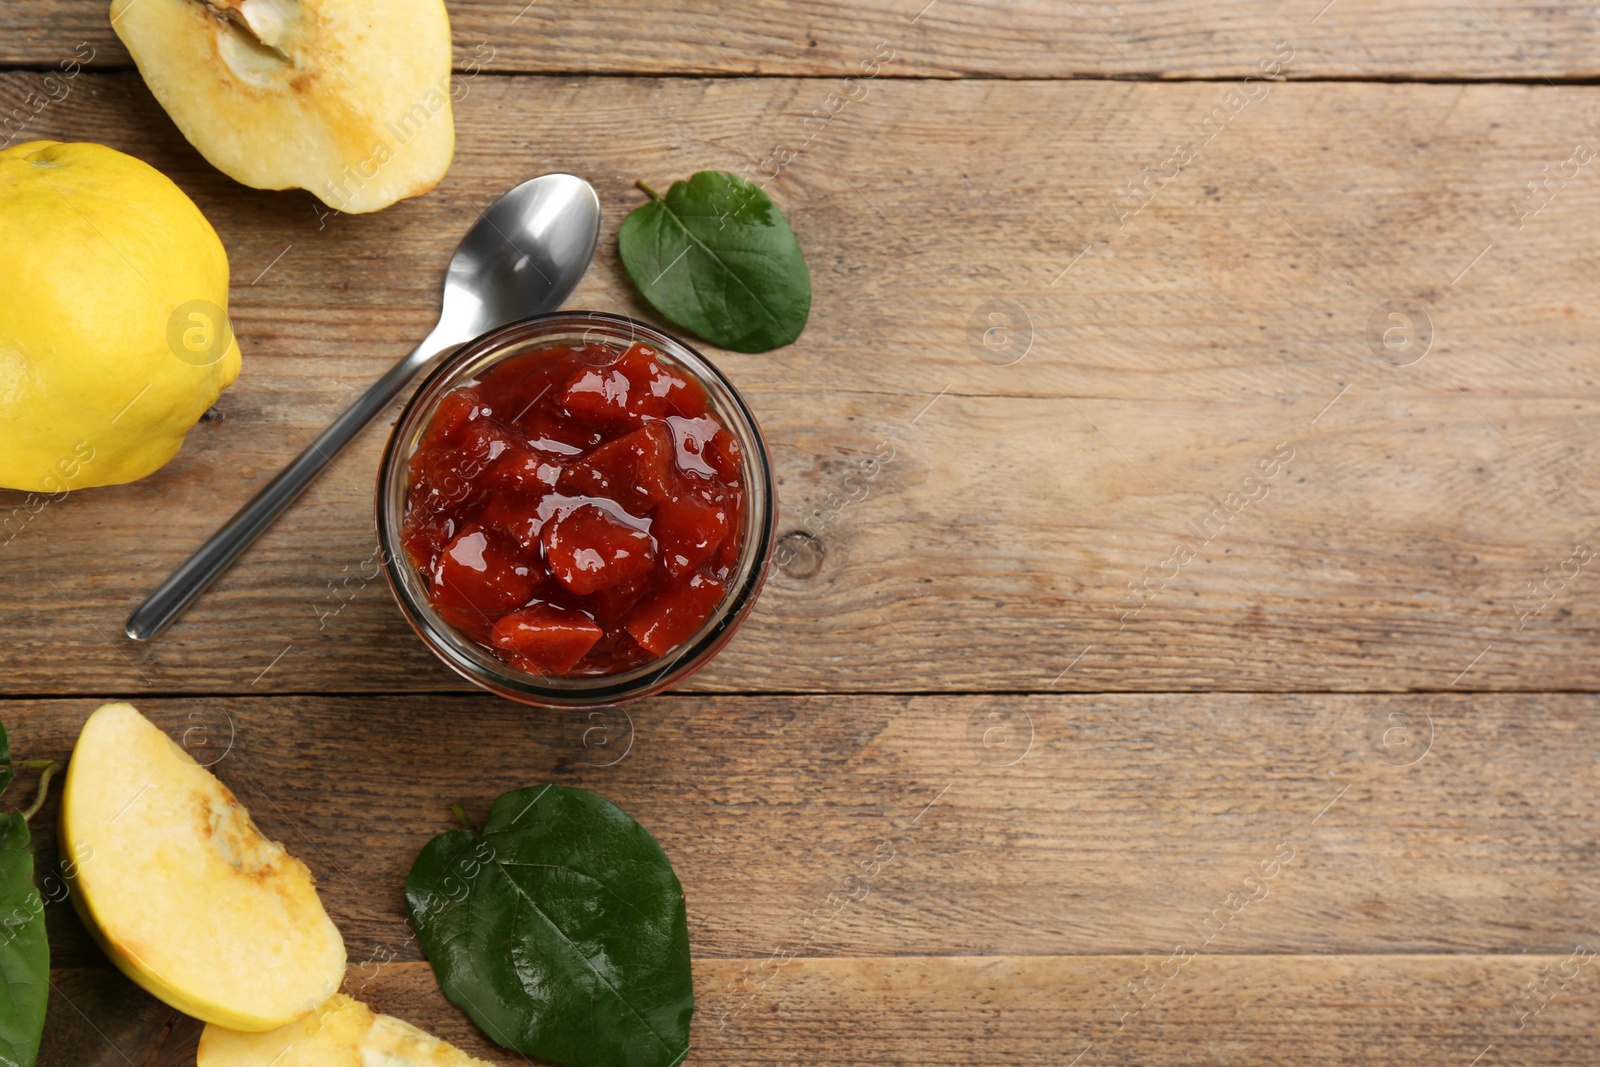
{"points": [[476, 663]]}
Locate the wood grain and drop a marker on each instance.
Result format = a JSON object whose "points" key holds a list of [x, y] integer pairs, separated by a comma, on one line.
{"points": [[961, 38], [876, 826], [1166, 360], [1043, 1010], [1084, 317]]}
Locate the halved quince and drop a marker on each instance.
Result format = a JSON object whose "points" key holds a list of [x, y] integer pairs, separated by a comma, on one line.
{"points": [[346, 98], [341, 1033], [182, 891]]}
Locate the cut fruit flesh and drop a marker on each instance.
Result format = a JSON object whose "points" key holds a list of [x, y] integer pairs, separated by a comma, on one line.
{"points": [[182, 891], [349, 100], [341, 1033]]}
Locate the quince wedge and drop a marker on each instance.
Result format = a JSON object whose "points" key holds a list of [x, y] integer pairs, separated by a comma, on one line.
{"points": [[346, 98], [114, 333], [341, 1033], [182, 891]]}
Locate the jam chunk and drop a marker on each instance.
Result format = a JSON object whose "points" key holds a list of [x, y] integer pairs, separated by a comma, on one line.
{"points": [[668, 620], [688, 531], [635, 469], [477, 578], [524, 470], [588, 550], [576, 510], [545, 638], [637, 386]]}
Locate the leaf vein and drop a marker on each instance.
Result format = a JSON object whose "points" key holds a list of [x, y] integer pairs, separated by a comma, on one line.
{"points": [[591, 878], [719, 261], [575, 951]]}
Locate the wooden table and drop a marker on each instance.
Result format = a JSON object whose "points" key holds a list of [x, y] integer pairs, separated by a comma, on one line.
{"points": [[1182, 571]]}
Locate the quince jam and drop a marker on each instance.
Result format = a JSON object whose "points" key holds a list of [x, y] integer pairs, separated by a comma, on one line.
{"points": [[577, 510]]}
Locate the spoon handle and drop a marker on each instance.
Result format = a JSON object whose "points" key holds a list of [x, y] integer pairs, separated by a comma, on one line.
{"points": [[211, 559]]}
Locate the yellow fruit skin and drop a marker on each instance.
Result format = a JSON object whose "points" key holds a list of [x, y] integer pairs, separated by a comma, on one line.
{"points": [[98, 252], [352, 100], [145, 979], [164, 991], [80, 860], [341, 1033]]}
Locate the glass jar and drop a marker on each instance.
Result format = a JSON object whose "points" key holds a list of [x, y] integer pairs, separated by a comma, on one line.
{"points": [[477, 663]]}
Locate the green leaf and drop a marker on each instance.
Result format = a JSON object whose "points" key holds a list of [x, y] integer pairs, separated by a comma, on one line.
{"points": [[7, 772], [561, 929], [24, 953], [716, 257]]}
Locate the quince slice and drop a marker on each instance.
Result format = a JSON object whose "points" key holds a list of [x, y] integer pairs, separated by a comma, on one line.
{"points": [[341, 1033], [182, 891], [348, 99]]}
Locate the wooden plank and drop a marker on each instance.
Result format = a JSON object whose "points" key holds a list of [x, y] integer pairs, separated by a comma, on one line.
{"points": [[98, 1018], [957, 38], [868, 826], [1171, 356], [975, 1010]]}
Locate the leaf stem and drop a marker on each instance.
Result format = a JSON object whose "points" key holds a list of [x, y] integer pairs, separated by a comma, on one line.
{"points": [[51, 768], [651, 193], [33, 764], [462, 816]]}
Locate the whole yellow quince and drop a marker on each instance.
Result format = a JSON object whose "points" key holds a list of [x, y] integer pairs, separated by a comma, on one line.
{"points": [[114, 333]]}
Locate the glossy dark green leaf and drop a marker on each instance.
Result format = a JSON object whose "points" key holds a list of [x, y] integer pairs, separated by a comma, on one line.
{"points": [[561, 929], [718, 258], [24, 953]]}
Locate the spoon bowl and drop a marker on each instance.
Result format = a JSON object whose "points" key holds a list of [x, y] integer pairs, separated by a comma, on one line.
{"points": [[523, 257], [517, 260]]}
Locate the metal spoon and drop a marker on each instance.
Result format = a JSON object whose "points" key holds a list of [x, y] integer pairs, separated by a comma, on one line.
{"points": [[522, 257]]}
